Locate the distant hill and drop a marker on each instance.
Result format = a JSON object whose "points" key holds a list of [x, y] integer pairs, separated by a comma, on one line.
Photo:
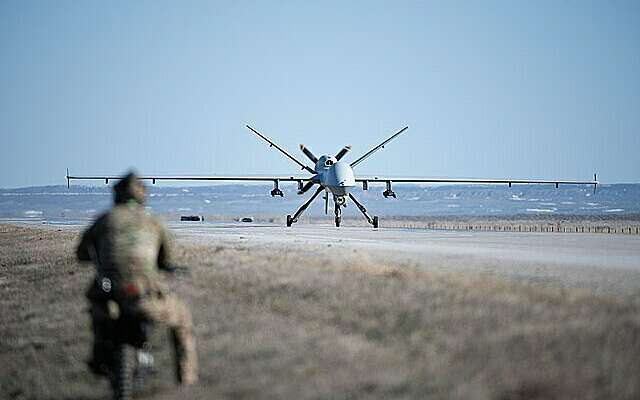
{"points": [[79, 202]]}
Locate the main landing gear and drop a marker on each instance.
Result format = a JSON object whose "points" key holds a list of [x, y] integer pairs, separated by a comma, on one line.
{"points": [[291, 220], [373, 221], [339, 202]]}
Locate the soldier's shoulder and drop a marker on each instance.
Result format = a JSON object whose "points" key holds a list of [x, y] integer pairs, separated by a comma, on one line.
{"points": [[102, 218], [155, 220], [98, 225]]}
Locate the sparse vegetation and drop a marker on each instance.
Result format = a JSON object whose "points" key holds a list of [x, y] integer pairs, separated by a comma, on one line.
{"points": [[275, 322]]}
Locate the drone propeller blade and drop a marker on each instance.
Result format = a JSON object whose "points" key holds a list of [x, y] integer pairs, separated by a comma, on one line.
{"points": [[306, 187], [308, 153], [343, 152]]}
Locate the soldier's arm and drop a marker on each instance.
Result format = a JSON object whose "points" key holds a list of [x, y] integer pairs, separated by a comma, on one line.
{"points": [[89, 239], [86, 242], [165, 253]]}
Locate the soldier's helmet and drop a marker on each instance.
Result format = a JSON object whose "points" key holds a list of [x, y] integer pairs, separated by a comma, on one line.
{"points": [[129, 188]]}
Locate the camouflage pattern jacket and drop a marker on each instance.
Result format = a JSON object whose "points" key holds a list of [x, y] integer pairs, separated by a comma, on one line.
{"points": [[128, 246]]}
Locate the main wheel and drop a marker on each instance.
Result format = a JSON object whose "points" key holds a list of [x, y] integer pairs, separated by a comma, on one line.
{"points": [[338, 222], [375, 221], [123, 370], [289, 220]]}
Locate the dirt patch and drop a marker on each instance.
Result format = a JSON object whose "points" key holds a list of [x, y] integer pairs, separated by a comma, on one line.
{"points": [[274, 322]]}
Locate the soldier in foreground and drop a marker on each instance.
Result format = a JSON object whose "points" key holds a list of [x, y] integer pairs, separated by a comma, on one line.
{"points": [[129, 248]]}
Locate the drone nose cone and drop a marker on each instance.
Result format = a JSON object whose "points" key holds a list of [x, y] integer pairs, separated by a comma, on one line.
{"points": [[343, 174]]}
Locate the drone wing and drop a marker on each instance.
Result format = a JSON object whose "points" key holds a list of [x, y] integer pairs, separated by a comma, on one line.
{"points": [[301, 180], [366, 180]]}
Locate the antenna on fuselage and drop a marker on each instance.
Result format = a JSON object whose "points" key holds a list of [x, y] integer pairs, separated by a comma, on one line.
{"points": [[272, 144], [378, 147]]}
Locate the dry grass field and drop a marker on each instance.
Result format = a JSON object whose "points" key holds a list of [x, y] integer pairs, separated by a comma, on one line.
{"points": [[275, 322]]}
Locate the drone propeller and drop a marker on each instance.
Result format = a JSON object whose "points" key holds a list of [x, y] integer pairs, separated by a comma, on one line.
{"points": [[306, 187], [308, 153], [343, 152]]}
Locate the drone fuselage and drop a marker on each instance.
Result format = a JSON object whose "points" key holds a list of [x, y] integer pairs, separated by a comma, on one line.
{"points": [[337, 176]]}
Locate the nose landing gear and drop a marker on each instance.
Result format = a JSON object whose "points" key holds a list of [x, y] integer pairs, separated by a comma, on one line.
{"points": [[338, 212]]}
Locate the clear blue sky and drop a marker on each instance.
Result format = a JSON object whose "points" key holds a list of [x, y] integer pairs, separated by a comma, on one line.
{"points": [[544, 89]]}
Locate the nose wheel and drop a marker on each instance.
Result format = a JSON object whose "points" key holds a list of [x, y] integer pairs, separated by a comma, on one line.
{"points": [[338, 211]]}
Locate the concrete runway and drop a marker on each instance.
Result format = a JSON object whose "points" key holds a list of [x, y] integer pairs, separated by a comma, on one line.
{"points": [[605, 263]]}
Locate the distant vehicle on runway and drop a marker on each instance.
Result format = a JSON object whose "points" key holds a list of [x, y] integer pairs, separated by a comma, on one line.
{"points": [[334, 177], [193, 218]]}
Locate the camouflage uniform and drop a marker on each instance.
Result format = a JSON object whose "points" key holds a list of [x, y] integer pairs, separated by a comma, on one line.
{"points": [[131, 246]]}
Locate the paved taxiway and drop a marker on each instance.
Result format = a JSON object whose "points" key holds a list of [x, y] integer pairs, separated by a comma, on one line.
{"points": [[604, 263]]}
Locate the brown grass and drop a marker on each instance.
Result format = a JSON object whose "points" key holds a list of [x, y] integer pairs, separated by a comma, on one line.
{"points": [[273, 322]]}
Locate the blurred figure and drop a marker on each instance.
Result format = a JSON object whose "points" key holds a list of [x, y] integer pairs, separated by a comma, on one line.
{"points": [[129, 247]]}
